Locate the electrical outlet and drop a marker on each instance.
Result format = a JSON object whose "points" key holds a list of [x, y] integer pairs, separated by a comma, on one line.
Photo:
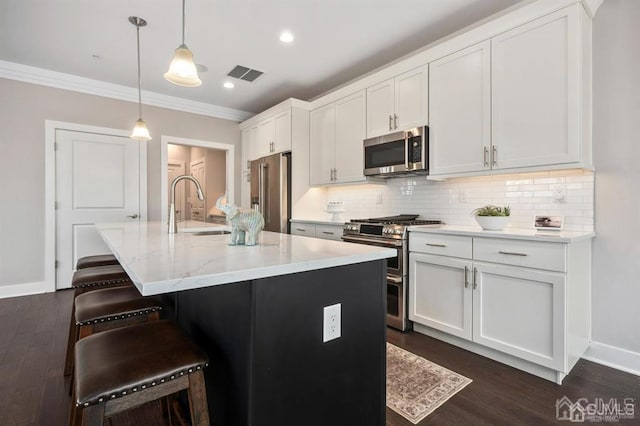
{"points": [[462, 196], [331, 327], [379, 198], [559, 193]]}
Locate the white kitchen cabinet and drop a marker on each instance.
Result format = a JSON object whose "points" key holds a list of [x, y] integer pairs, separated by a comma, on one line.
{"points": [[336, 134], [274, 135], [460, 111], [521, 312], [321, 230], [526, 300], [398, 103], [440, 297], [515, 102], [536, 92]]}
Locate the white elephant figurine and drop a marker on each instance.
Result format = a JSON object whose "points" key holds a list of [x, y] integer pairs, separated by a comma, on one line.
{"points": [[245, 224]]}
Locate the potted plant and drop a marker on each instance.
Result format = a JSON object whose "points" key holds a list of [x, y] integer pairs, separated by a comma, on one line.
{"points": [[492, 218]]}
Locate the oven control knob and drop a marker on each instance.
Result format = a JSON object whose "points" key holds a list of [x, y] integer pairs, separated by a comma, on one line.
{"points": [[398, 232]]}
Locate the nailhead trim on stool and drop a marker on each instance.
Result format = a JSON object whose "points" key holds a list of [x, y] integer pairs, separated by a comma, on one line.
{"points": [[118, 317]]}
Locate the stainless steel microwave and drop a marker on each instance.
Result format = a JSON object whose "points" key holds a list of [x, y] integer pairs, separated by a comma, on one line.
{"points": [[397, 154]]}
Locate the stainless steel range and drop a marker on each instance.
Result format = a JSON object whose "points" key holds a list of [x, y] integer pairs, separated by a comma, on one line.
{"points": [[390, 232]]}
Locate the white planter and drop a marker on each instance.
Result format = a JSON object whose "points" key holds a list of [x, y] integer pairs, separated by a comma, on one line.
{"points": [[493, 223]]}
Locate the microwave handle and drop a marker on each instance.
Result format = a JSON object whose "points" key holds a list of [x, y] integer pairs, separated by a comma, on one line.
{"points": [[406, 150]]}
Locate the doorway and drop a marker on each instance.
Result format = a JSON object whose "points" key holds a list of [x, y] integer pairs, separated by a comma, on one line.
{"points": [[212, 163]]}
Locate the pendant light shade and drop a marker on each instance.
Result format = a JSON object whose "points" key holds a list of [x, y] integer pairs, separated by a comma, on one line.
{"points": [[182, 70], [140, 131]]}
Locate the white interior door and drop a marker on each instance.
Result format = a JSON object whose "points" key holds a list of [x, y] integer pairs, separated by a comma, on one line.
{"points": [[97, 180], [197, 206], [176, 168]]}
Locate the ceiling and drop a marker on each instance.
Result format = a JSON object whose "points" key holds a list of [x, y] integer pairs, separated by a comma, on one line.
{"points": [[335, 41]]}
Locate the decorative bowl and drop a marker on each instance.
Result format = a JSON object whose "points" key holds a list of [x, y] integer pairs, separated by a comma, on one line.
{"points": [[493, 223]]}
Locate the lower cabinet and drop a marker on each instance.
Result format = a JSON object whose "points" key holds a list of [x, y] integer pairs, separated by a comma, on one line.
{"points": [[511, 307], [324, 231]]}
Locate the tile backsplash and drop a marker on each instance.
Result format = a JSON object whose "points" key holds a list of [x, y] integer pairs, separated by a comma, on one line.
{"points": [[453, 200]]}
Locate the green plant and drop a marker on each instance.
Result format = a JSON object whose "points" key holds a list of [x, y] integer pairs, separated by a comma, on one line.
{"points": [[491, 210]]}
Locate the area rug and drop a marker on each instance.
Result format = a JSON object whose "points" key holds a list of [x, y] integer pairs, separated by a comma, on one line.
{"points": [[416, 387]]}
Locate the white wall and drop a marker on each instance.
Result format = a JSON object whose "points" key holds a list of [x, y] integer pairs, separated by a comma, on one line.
{"points": [[616, 250], [24, 108]]}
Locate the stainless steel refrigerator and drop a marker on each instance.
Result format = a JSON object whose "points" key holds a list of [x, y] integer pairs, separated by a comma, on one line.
{"points": [[271, 190]]}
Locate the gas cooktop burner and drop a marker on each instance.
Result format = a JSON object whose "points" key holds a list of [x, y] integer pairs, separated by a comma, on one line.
{"points": [[403, 219]]}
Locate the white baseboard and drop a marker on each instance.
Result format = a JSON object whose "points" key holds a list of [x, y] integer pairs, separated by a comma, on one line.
{"points": [[24, 289], [611, 356]]}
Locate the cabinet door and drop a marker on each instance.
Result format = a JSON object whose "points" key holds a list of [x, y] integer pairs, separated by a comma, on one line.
{"points": [[460, 111], [266, 134], [322, 140], [521, 312], [440, 293], [282, 132], [380, 99], [350, 118], [535, 95], [410, 99]]}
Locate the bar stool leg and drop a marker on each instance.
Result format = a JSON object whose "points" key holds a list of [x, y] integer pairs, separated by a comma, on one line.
{"points": [[198, 400], [73, 337], [93, 415]]}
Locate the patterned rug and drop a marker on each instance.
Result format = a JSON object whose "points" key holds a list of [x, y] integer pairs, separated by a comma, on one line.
{"points": [[415, 386]]}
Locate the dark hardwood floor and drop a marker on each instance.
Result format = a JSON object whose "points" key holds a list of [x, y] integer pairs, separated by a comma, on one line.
{"points": [[33, 332]]}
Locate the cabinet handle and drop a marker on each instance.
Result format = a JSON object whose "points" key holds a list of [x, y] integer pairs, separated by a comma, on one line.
{"points": [[328, 233], [486, 155], [435, 245], [475, 278], [494, 155], [135, 216], [466, 278], [335, 174], [390, 119], [301, 230], [513, 253], [395, 121]]}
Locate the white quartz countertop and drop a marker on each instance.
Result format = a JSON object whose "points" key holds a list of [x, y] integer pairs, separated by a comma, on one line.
{"points": [[509, 233], [158, 262], [198, 226], [319, 221]]}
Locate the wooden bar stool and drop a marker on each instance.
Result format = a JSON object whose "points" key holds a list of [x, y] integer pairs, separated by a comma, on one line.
{"points": [[96, 260], [129, 366], [89, 279]]}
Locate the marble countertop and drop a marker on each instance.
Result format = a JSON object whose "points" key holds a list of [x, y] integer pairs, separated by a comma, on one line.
{"points": [[319, 221], [509, 233], [158, 262], [199, 226]]}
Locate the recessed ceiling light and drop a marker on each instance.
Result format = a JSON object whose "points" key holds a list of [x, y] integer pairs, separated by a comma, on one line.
{"points": [[286, 36], [228, 85]]}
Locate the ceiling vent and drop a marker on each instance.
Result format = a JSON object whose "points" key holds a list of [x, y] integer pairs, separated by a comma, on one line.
{"points": [[244, 73]]}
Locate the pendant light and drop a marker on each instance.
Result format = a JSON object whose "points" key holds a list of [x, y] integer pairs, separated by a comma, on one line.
{"points": [[182, 70], [140, 131]]}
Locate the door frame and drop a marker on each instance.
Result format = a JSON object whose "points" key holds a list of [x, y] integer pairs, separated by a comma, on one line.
{"points": [[50, 129], [174, 140]]}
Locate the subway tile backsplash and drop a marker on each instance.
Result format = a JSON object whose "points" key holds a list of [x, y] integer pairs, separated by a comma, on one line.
{"points": [[453, 200]]}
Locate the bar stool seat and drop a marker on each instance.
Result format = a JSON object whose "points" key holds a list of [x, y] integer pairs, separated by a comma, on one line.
{"points": [[126, 367], [111, 305], [96, 260]]}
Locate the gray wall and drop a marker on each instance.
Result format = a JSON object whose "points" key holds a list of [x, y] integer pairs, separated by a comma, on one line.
{"points": [[616, 249], [23, 110]]}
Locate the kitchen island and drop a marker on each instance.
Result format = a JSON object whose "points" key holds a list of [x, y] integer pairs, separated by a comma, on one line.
{"points": [[258, 313]]}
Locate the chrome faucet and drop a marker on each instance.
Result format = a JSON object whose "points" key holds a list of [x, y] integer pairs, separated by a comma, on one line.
{"points": [[173, 226]]}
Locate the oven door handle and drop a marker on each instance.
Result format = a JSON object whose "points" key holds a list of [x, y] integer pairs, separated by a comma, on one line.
{"points": [[372, 242], [395, 280]]}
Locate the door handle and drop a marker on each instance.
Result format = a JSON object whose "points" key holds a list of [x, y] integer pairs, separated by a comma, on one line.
{"points": [[475, 278], [486, 155], [466, 278], [395, 121], [135, 216], [390, 121], [494, 155]]}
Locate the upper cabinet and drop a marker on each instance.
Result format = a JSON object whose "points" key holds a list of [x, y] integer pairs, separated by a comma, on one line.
{"points": [[460, 111], [398, 103], [336, 134], [274, 135], [515, 102]]}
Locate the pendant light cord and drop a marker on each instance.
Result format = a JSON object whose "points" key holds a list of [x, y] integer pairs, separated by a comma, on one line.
{"points": [[183, 21], [139, 90]]}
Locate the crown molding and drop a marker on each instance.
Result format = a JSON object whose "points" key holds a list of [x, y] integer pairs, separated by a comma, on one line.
{"points": [[44, 77]]}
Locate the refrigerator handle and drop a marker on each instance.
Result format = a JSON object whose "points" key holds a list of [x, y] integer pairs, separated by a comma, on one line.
{"points": [[264, 195]]}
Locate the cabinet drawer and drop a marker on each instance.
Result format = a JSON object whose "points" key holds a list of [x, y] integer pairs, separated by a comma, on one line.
{"points": [[529, 254], [446, 245], [306, 229], [329, 232]]}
